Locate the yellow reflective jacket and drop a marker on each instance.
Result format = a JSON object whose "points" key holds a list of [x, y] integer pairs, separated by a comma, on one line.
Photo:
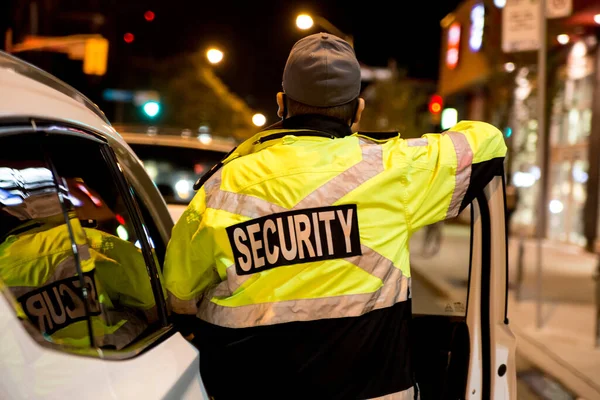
{"points": [[38, 266], [301, 225]]}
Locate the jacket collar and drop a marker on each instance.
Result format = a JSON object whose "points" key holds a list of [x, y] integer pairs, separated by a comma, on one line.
{"points": [[315, 122]]}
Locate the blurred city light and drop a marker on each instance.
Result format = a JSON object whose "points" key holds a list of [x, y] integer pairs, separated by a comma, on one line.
{"points": [[449, 118], [151, 108], [128, 37], [205, 138], [563, 38], [258, 119], [500, 3], [597, 19], [509, 67], [523, 179], [579, 50], [304, 21], [214, 56], [556, 206], [122, 232], [477, 24], [149, 16], [183, 188]]}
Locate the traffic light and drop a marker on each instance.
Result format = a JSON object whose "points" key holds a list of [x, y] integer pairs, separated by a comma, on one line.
{"points": [[151, 108], [435, 104], [149, 16], [435, 108], [128, 37]]}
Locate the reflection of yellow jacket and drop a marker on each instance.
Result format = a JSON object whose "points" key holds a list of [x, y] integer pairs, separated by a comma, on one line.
{"points": [[39, 267], [299, 226]]}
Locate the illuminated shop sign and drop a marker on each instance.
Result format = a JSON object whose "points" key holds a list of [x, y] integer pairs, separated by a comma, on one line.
{"points": [[452, 53], [477, 23]]}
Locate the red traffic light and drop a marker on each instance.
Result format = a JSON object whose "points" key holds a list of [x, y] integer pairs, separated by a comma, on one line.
{"points": [[149, 16], [128, 37], [435, 104]]}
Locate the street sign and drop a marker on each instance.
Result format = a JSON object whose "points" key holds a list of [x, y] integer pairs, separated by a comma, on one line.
{"points": [[520, 25], [558, 8], [95, 57], [124, 96], [141, 97]]}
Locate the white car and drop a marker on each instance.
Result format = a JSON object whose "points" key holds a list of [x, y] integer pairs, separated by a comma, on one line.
{"points": [[175, 159], [58, 152]]}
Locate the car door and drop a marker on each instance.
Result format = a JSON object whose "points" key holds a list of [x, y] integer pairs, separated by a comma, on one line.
{"points": [[83, 310], [463, 346]]}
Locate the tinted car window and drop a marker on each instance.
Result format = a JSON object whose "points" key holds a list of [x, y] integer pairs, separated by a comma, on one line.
{"points": [[37, 262], [98, 292], [174, 170], [127, 303]]}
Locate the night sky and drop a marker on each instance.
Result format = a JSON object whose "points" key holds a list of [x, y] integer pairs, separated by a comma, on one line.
{"points": [[256, 36]]}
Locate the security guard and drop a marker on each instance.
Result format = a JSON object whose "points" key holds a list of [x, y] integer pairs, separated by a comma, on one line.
{"points": [[294, 252], [38, 264]]}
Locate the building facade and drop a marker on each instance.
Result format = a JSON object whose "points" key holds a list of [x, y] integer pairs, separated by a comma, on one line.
{"points": [[484, 83]]}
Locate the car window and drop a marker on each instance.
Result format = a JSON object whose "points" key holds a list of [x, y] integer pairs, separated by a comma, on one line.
{"points": [[174, 170], [122, 296], [37, 262]]}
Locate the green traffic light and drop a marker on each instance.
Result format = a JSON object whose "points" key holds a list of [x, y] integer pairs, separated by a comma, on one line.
{"points": [[151, 108]]}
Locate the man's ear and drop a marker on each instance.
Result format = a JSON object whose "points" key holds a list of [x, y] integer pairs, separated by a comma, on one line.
{"points": [[280, 104], [359, 110]]}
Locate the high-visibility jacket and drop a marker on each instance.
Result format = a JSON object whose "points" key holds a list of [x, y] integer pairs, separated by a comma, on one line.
{"points": [[306, 229], [38, 266]]}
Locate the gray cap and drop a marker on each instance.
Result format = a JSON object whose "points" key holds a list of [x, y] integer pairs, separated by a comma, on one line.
{"points": [[322, 71]]}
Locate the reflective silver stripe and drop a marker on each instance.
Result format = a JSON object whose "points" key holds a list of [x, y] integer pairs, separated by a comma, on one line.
{"points": [[236, 203], [234, 281], [464, 160], [336, 188], [420, 142], [408, 394], [394, 290], [183, 306]]}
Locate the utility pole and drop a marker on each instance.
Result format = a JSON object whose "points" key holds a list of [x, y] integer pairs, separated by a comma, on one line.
{"points": [[541, 149]]}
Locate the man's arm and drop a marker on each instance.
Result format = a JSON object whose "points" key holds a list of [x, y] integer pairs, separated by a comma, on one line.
{"points": [[442, 173], [189, 264]]}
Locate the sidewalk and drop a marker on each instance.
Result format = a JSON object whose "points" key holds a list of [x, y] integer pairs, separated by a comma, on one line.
{"points": [[564, 346]]}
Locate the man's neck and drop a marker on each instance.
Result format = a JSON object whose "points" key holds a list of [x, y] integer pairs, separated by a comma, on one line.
{"points": [[318, 122]]}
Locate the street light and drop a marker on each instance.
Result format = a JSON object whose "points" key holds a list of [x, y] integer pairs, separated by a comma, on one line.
{"points": [[258, 119], [214, 56], [306, 21]]}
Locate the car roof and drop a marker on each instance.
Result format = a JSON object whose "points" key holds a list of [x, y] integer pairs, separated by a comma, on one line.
{"points": [[29, 92], [171, 137]]}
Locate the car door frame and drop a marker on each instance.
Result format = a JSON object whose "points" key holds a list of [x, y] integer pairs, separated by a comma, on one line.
{"points": [[492, 365]]}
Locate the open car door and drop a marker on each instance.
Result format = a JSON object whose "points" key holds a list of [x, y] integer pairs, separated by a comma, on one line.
{"points": [[463, 346]]}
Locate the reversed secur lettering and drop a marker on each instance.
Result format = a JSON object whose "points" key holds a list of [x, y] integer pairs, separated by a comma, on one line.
{"points": [[295, 237], [61, 303]]}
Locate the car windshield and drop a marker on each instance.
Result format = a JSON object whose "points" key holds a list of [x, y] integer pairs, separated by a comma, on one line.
{"points": [[174, 170]]}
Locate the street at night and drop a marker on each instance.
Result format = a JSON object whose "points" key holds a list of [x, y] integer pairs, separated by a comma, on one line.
{"points": [[300, 199]]}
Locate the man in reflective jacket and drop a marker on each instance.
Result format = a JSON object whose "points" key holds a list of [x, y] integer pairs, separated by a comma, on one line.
{"points": [[294, 252]]}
